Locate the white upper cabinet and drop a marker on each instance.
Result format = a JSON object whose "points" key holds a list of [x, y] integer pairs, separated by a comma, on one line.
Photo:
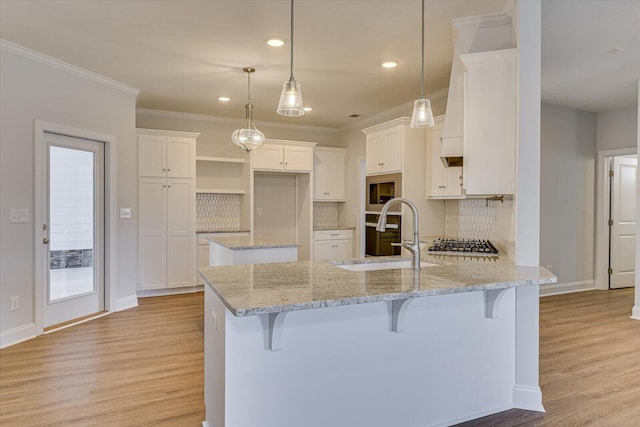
{"points": [[442, 183], [329, 171], [166, 154], [490, 134], [384, 150], [283, 156]]}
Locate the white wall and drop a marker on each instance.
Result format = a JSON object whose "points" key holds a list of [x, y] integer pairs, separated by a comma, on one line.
{"points": [[35, 87], [617, 129], [567, 193], [636, 308]]}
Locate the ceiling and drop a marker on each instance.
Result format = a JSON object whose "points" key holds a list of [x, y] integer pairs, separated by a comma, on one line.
{"points": [[582, 67], [183, 54]]}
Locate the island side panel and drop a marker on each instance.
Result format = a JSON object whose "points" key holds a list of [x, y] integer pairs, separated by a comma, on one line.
{"points": [[342, 366], [214, 356]]}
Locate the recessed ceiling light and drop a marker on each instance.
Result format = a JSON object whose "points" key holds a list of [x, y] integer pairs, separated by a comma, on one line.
{"points": [[354, 115], [224, 99], [307, 108], [390, 64], [275, 42]]}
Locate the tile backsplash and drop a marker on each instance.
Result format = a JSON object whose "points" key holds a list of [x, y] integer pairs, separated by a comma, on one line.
{"points": [[325, 214], [481, 219], [217, 212]]}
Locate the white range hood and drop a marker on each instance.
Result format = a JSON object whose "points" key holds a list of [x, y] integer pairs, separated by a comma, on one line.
{"points": [[471, 34]]}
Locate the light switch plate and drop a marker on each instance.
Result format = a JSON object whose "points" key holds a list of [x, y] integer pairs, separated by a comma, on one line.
{"points": [[19, 215], [125, 213]]}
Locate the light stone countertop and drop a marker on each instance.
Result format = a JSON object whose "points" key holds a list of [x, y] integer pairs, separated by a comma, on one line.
{"points": [[250, 242], [248, 290]]}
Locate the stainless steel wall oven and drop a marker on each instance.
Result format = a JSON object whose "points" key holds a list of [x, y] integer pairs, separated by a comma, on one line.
{"points": [[378, 243]]}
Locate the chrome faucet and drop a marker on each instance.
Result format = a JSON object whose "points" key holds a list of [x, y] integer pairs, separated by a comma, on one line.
{"points": [[414, 246]]}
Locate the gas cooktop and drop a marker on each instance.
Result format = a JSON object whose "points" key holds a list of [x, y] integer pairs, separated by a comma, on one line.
{"points": [[463, 247]]}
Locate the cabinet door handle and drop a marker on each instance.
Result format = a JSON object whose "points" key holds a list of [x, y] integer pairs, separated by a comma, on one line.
{"points": [[45, 241], [164, 170], [168, 170]]}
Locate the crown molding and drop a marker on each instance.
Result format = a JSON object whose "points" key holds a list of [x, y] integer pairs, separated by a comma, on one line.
{"points": [[483, 21], [227, 120], [38, 57], [376, 118]]}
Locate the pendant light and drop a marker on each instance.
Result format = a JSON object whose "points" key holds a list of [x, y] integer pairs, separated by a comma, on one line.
{"points": [[248, 137], [291, 97], [422, 116]]}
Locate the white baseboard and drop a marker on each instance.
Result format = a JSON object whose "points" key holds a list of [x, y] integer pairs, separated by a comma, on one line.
{"points": [[474, 416], [126, 302], [205, 423], [527, 397], [172, 291], [565, 288], [635, 313], [17, 335]]}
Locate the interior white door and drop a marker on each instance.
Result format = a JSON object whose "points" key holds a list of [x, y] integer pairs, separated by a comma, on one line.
{"points": [[74, 228], [623, 223]]}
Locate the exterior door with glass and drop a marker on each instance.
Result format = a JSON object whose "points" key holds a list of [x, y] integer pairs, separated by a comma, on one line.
{"points": [[73, 232]]}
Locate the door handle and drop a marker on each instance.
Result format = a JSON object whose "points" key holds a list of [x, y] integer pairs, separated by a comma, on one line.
{"points": [[45, 241]]}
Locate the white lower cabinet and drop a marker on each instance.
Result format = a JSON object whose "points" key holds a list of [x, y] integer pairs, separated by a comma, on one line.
{"points": [[166, 233], [333, 244]]}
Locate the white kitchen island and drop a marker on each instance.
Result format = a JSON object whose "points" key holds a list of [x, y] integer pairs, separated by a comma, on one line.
{"points": [[311, 344], [250, 250]]}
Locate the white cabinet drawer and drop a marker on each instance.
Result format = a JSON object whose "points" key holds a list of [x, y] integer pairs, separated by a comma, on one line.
{"points": [[332, 234]]}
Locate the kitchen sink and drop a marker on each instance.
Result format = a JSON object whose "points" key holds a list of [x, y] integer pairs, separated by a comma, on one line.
{"points": [[386, 265]]}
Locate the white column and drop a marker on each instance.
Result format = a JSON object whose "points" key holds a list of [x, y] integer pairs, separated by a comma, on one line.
{"points": [[526, 392]]}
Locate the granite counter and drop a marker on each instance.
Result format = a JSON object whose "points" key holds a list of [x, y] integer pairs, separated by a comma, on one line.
{"points": [[270, 288]]}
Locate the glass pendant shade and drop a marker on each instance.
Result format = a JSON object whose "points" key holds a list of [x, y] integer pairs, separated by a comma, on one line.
{"points": [[248, 137], [291, 99], [422, 115]]}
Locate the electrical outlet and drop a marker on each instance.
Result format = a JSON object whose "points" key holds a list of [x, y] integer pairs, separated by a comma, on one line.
{"points": [[15, 303], [259, 211], [19, 215], [125, 213]]}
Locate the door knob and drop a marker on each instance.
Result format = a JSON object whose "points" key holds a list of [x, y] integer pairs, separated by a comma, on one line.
{"points": [[45, 241]]}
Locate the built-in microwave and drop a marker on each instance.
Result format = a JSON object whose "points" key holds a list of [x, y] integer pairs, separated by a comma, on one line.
{"points": [[382, 188]]}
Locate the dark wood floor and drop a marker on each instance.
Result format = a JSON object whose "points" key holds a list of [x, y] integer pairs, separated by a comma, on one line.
{"points": [[144, 366]]}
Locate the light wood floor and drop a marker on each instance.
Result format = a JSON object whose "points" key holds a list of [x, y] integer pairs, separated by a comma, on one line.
{"points": [[144, 366], [589, 363]]}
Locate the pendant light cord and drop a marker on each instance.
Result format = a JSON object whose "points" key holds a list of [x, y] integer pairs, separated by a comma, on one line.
{"points": [[291, 78], [422, 52], [249, 87]]}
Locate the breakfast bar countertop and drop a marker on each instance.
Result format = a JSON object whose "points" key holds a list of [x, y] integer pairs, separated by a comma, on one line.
{"points": [[248, 290]]}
